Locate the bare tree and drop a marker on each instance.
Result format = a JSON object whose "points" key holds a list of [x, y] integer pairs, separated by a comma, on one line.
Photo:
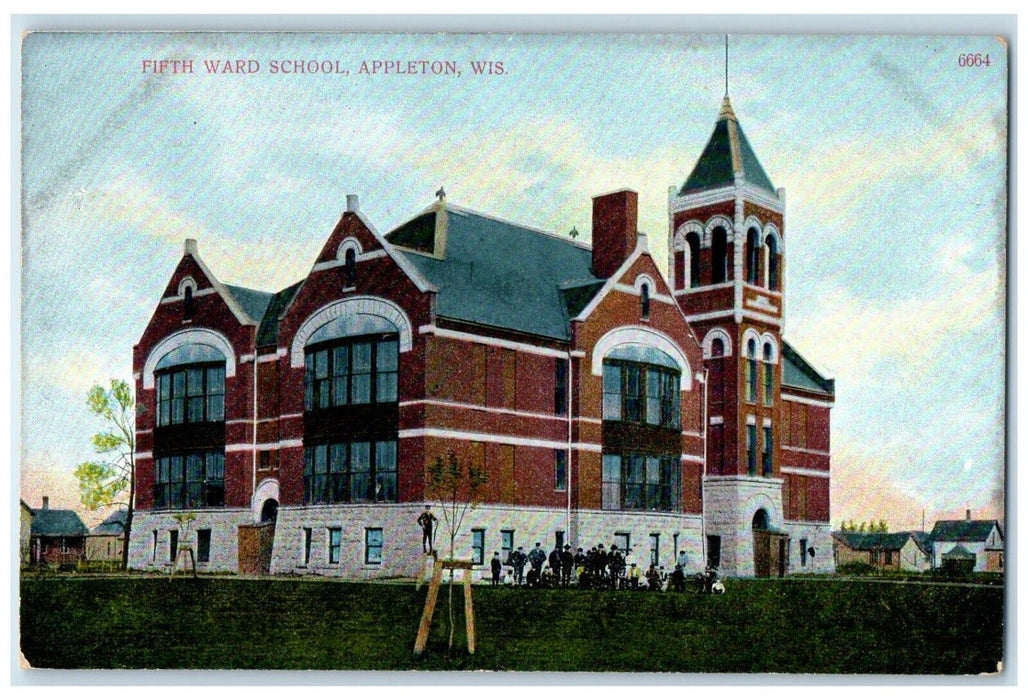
{"points": [[455, 486]]}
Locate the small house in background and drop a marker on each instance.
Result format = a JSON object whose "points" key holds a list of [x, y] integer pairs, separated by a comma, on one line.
{"points": [[106, 541], [981, 539], [887, 551], [57, 536], [25, 537]]}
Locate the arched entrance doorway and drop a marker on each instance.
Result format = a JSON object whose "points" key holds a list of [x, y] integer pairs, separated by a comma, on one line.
{"points": [[770, 547], [269, 511]]}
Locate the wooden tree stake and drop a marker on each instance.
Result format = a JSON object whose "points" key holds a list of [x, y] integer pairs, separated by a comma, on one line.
{"points": [[433, 595]]}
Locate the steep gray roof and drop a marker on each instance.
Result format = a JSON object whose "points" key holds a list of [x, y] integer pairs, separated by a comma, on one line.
{"points": [[113, 524], [267, 332], [501, 274], [51, 522], [727, 155], [798, 373], [253, 301], [964, 530]]}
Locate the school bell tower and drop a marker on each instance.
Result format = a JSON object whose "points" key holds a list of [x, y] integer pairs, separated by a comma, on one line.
{"points": [[727, 264]]}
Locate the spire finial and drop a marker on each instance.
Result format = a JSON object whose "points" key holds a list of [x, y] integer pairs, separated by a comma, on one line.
{"points": [[726, 65]]}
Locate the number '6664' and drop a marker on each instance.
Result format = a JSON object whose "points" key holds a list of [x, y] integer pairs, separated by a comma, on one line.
{"points": [[969, 60]]}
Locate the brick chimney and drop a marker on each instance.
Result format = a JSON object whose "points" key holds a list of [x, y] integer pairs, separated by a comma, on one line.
{"points": [[968, 515], [46, 503], [615, 228]]}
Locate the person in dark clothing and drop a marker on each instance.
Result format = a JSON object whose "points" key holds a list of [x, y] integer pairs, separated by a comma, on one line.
{"points": [[567, 564], [653, 578], [517, 561], [555, 565], [579, 558], [537, 557], [495, 565], [601, 565], [427, 520], [616, 562], [678, 579]]}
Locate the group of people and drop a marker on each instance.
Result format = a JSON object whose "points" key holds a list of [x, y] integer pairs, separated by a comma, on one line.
{"points": [[595, 568]]}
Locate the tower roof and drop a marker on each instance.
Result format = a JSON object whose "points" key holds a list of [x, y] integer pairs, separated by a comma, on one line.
{"points": [[727, 157]]}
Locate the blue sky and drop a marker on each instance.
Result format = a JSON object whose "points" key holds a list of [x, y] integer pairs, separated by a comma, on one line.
{"points": [[893, 158]]}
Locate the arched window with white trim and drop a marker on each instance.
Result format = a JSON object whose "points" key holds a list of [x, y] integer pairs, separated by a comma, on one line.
{"points": [[769, 375], [772, 265], [692, 242], [752, 256], [751, 370], [644, 301], [719, 256], [351, 393]]}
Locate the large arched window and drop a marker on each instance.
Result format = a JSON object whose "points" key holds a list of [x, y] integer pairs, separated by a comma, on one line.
{"points": [[351, 361], [189, 443], [351, 382], [719, 256], [190, 384], [772, 262], [752, 255], [751, 370], [642, 429]]}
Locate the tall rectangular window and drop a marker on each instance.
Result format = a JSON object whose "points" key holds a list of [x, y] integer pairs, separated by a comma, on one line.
{"points": [[355, 472], [751, 379], [751, 450], [172, 545], [803, 552], [191, 480], [506, 544], [372, 545], [655, 548], [623, 540], [768, 454], [203, 546], [308, 537], [769, 383], [335, 542], [611, 392], [560, 386], [478, 546], [714, 550], [153, 555], [560, 470], [611, 489]]}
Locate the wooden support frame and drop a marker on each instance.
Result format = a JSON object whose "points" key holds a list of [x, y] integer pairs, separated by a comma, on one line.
{"points": [[182, 552], [433, 596]]}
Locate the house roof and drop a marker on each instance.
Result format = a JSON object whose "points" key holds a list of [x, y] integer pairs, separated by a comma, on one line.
{"points": [[958, 552], [113, 524], [51, 522], [867, 541], [800, 374], [727, 156], [482, 276], [964, 530]]}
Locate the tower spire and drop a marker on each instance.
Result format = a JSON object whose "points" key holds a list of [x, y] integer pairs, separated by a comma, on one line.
{"points": [[726, 65]]}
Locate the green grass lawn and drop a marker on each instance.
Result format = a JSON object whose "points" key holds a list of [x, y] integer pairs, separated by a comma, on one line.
{"points": [[781, 626]]}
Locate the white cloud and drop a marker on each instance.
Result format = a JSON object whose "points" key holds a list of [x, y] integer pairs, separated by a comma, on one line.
{"points": [[855, 333]]}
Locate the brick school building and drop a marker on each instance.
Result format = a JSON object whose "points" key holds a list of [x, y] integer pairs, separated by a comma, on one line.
{"points": [[607, 402]]}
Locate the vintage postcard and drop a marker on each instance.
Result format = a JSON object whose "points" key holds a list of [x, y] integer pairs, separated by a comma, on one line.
{"points": [[523, 352]]}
